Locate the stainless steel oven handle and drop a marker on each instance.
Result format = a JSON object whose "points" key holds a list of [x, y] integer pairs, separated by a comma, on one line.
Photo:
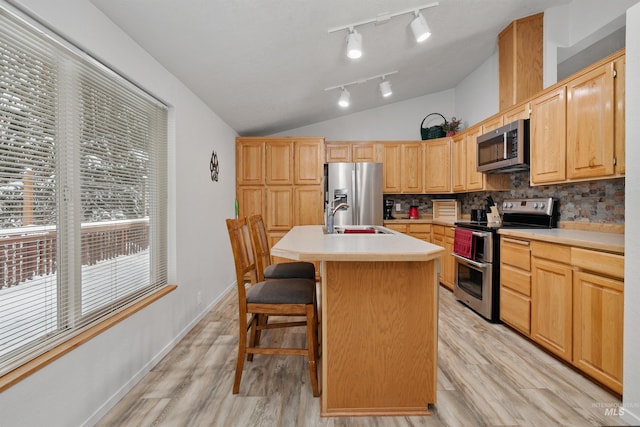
{"points": [[473, 263], [481, 234]]}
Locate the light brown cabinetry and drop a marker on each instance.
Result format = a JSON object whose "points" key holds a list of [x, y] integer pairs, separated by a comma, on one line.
{"points": [[515, 283], [391, 168], [520, 60], [552, 298], [402, 167], [349, 151], [590, 123], [598, 304], [577, 126], [459, 163], [443, 236], [281, 179], [575, 303], [420, 231], [437, 166], [475, 180], [547, 134]]}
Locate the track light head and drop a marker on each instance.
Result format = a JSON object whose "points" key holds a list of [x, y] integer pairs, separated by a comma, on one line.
{"points": [[354, 44], [344, 98], [385, 88], [420, 28]]}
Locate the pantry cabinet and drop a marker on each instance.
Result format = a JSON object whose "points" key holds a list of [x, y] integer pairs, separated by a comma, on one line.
{"points": [[280, 178]]}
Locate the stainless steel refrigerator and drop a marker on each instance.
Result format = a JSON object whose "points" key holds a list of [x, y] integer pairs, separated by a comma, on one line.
{"points": [[359, 185]]}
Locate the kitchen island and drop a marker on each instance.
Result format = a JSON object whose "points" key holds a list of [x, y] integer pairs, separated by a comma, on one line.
{"points": [[379, 316]]}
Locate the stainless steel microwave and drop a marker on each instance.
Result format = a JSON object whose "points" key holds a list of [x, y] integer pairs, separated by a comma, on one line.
{"points": [[505, 149]]}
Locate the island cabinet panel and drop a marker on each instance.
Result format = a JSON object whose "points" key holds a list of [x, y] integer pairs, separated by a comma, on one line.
{"points": [[590, 124], [552, 298], [249, 162], [379, 349], [279, 163], [548, 137], [308, 162]]}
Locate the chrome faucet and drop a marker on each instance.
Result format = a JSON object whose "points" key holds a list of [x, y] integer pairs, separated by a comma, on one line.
{"points": [[331, 211]]}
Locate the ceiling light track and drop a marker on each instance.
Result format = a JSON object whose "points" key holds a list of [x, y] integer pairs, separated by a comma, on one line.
{"points": [[360, 81], [383, 18], [385, 87]]}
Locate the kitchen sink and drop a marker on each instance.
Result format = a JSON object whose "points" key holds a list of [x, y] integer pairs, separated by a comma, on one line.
{"points": [[359, 229]]}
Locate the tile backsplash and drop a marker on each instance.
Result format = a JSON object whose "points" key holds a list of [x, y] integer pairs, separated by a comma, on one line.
{"points": [[591, 201]]}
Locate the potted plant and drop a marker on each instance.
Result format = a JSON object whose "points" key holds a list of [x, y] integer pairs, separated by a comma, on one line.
{"points": [[452, 126]]}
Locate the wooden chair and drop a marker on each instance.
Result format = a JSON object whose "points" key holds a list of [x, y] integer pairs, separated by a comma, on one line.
{"points": [[266, 270], [278, 297]]}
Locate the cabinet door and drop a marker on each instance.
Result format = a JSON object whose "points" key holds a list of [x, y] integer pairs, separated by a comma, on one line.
{"points": [[279, 163], [448, 261], [590, 122], [308, 205], [551, 302], [516, 113], [308, 164], [459, 162], [420, 231], [475, 179], [250, 201], [515, 310], [411, 167], [438, 166], [364, 152], [619, 113], [598, 328], [339, 152], [548, 137], [279, 208], [391, 172], [491, 124], [249, 162]]}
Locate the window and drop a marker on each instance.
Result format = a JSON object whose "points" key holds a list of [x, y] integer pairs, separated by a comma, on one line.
{"points": [[82, 192]]}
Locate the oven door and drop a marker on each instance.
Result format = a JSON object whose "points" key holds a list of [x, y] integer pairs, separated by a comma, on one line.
{"points": [[474, 285]]}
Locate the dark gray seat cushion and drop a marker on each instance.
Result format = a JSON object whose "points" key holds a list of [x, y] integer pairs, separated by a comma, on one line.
{"points": [[291, 270], [285, 291]]}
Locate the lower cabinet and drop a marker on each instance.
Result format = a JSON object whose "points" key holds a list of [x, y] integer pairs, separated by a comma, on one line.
{"points": [[443, 236], [571, 302]]}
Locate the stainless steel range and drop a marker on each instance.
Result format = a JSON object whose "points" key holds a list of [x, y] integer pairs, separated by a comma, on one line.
{"points": [[477, 251]]}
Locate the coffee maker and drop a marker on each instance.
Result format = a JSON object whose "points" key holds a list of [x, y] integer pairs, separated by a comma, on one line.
{"points": [[388, 209]]}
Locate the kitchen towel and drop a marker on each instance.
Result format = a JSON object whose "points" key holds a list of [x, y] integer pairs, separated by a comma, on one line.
{"points": [[463, 243]]}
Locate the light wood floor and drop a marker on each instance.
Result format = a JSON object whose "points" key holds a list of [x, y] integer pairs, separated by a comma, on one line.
{"points": [[488, 376]]}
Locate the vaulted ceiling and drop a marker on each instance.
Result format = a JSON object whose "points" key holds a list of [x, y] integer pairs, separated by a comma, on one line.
{"points": [[263, 65]]}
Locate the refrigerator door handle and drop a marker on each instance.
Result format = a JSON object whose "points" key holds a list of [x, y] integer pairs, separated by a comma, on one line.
{"points": [[355, 199]]}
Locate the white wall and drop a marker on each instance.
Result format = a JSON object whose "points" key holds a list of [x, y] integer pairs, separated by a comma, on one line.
{"points": [[632, 228], [477, 96], [78, 388], [397, 121]]}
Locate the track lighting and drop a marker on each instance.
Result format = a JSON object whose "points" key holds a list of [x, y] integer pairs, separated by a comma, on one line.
{"points": [[354, 44], [385, 88], [420, 27], [344, 98]]}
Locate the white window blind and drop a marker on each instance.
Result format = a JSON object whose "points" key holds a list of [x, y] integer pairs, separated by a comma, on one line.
{"points": [[82, 192]]}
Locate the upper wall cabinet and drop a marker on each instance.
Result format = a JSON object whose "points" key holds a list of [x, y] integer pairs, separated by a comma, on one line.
{"points": [[437, 166], [577, 126], [520, 60]]}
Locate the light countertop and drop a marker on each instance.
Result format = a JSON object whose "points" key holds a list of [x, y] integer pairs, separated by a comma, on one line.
{"points": [[609, 242], [309, 243]]}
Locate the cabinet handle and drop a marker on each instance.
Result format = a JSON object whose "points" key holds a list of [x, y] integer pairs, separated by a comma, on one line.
{"points": [[517, 242]]}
